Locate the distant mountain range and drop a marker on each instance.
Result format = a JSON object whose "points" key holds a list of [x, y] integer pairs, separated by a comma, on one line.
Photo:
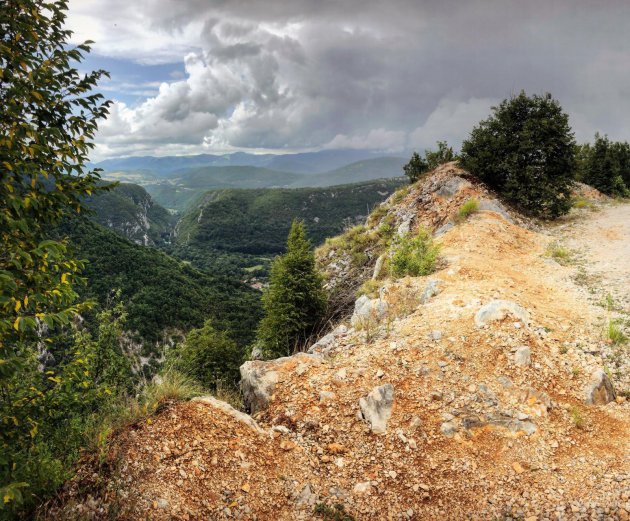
{"points": [[300, 163], [175, 182]]}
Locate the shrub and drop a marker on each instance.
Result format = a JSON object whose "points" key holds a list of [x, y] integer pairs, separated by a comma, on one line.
{"points": [[525, 150], [615, 334], [334, 513], [468, 208], [559, 253], [209, 356], [576, 417], [414, 255]]}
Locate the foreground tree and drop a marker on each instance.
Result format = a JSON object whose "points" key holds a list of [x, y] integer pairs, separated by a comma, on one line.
{"points": [[295, 301], [47, 121], [525, 150]]}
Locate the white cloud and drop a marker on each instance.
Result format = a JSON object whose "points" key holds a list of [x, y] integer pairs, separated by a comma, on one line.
{"points": [[451, 121], [298, 74]]}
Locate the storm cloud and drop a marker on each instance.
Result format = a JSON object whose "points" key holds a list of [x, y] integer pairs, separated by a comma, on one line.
{"points": [[396, 75]]}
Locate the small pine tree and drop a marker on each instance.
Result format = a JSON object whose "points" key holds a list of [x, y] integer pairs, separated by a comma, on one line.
{"points": [[415, 168], [295, 302], [525, 150]]}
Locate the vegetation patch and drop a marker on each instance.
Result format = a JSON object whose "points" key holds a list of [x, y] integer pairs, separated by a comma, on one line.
{"points": [[414, 255], [336, 512], [559, 253], [615, 333], [470, 207]]}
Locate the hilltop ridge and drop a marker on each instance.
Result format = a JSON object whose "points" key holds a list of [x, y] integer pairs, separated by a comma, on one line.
{"points": [[485, 390]]}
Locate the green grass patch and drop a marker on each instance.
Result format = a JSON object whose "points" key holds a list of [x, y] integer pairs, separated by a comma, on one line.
{"points": [[615, 333], [559, 253], [467, 209]]}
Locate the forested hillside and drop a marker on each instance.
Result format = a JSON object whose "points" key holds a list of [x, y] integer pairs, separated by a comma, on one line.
{"points": [[175, 189], [245, 228], [161, 295]]}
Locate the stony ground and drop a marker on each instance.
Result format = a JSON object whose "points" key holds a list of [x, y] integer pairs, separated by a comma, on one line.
{"points": [[464, 395]]}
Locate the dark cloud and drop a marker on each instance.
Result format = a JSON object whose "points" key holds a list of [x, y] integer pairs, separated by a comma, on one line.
{"points": [[296, 74]]}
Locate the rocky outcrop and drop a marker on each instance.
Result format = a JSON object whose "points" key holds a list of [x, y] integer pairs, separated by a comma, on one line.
{"points": [[376, 407], [259, 378], [599, 390], [367, 310], [523, 356], [499, 310]]}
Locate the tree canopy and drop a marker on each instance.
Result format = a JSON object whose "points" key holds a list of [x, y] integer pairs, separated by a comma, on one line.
{"points": [[525, 150], [48, 119]]}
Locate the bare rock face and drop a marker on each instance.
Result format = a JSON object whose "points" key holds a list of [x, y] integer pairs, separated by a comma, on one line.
{"points": [[366, 310], [451, 186], [259, 378], [600, 390], [492, 205], [499, 310], [376, 407]]}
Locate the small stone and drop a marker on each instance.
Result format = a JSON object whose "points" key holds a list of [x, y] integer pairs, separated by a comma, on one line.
{"points": [[518, 468], [448, 429], [380, 373], [162, 503], [362, 488], [435, 335], [523, 356], [326, 396]]}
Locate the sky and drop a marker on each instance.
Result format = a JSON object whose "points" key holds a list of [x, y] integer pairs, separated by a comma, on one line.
{"points": [[217, 76]]}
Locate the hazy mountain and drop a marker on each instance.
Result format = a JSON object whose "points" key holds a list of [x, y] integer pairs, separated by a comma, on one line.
{"points": [[301, 163], [184, 186]]}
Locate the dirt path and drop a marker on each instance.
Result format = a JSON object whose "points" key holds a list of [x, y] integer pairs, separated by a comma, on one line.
{"points": [[602, 238]]}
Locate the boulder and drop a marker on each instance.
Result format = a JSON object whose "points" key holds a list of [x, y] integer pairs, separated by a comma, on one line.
{"points": [[259, 378], [451, 186], [376, 407], [444, 228], [367, 309], [327, 341], [499, 310], [228, 409], [523, 356], [432, 288], [600, 390]]}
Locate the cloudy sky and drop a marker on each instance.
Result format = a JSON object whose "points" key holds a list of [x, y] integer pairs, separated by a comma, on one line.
{"points": [[193, 76]]}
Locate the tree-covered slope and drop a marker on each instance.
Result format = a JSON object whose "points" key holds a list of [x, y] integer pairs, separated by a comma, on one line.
{"points": [[160, 293], [254, 224], [181, 188]]}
